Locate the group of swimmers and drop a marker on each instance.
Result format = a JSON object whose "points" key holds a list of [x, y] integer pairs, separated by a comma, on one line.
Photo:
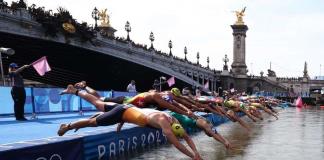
{"points": [[139, 110]]}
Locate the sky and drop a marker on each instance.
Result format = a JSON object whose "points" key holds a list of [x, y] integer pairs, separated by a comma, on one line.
{"points": [[285, 33]]}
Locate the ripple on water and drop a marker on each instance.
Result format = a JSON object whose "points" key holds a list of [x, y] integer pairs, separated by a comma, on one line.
{"points": [[297, 135]]}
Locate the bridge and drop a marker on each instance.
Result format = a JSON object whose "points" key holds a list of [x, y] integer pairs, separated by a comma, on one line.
{"points": [[108, 62]]}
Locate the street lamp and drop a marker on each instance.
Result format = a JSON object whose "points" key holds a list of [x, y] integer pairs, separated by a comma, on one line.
{"points": [[161, 78], [9, 52], [2, 3], [320, 70], [152, 39], [128, 29], [185, 52], [95, 16], [170, 46], [251, 68], [225, 59], [198, 57], [208, 62], [218, 90]]}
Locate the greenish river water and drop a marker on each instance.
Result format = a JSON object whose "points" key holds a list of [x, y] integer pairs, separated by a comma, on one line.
{"points": [[297, 135]]}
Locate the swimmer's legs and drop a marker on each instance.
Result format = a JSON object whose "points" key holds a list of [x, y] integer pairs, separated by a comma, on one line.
{"points": [[76, 125]]}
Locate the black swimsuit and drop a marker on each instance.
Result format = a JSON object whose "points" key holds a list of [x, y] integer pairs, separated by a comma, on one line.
{"points": [[113, 115]]}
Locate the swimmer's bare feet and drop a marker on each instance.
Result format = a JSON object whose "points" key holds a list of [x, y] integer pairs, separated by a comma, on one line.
{"points": [[80, 85], [69, 90], [63, 129]]}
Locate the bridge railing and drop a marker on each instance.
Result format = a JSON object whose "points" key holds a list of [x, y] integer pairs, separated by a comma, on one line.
{"points": [[283, 94], [289, 79], [254, 77], [39, 14], [48, 100]]}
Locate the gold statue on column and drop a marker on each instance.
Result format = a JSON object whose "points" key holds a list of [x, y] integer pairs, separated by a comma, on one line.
{"points": [[239, 16], [104, 17]]}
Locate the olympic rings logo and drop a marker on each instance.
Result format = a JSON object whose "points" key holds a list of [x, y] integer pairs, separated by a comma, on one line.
{"points": [[53, 157]]}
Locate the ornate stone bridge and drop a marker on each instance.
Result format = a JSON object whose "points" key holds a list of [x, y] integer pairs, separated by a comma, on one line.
{"points": [[107, 62], [21, 23]]}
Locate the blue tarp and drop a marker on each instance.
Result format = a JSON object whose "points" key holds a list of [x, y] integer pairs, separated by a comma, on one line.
{"points": [[45, 100]]}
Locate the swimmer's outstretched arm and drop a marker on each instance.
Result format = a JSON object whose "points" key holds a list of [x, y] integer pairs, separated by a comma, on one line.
{"points": [[188, 99], [224, 141], [270, 112], [164, 104], [249, 115], [242, 123], [263, 107], [166, 129], [191, 145], [215, 111], [181, 106], [186, 103], [226, 114]]}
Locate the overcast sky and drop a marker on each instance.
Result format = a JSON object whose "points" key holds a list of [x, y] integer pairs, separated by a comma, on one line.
{"points": [[284, 32]]}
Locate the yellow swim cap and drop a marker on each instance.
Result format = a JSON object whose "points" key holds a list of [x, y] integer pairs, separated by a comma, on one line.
{"points": [[226, 103], [175, 91], [252, 107], [177, 130]]}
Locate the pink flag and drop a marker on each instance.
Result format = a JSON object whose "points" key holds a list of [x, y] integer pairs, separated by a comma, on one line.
{"points": [[41, 66], [171, 81], [299, 102], [206, 86]]}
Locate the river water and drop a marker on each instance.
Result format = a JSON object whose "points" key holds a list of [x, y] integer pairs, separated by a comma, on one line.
{"points": [[297, 135]]}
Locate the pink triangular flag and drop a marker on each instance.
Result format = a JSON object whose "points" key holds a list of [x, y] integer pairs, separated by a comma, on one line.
{"points": [[41, 66], [206, 86], [171, 81], [299, 102]]}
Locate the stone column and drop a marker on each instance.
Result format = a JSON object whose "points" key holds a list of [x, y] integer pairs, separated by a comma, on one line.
{"points": [[212, 84], [239, 33], [203, 80], [198, 78]]}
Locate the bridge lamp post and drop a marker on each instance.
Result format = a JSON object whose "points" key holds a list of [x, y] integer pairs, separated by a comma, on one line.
{"points": [[208, 62], [95, 16], [320, 70], [128, 29], [218, 90], [185, 52], [9, 52], [152, 39], [161, 78], [170, 46], [198, 57], [225, 59]]}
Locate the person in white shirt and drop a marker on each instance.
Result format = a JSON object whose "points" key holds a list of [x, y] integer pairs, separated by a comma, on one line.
{"points": [[131, 87]]}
